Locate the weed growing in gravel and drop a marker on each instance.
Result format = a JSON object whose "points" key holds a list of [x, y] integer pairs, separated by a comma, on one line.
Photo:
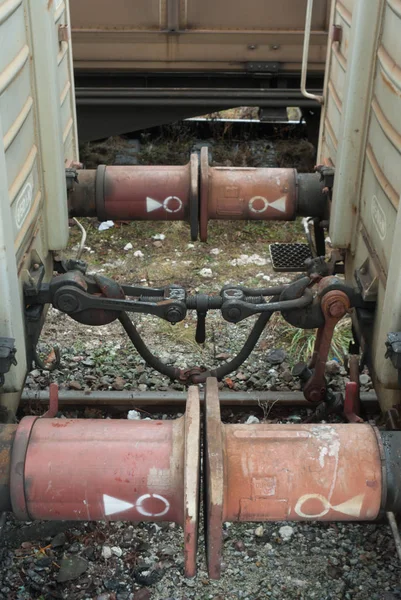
{"points": [[299, 343]]}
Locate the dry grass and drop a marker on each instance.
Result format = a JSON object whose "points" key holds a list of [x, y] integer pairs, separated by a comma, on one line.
{"points": [[104, 152], [299, 154]]}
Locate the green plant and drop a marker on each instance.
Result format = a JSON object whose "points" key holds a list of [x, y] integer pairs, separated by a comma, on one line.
{"points": [[299, 343]]}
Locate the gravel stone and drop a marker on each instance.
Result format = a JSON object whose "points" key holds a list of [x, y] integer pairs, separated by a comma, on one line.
{"points": [[59, 540], [142, 594], [333, 367], [117, 551], [71, 568], [286, 532], [276, 357], [106, 552], [134, 415], [251, 420]]}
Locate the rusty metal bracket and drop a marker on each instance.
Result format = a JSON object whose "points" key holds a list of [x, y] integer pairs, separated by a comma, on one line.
{"points": [[53, 402], [335, 305], [352, 401]]}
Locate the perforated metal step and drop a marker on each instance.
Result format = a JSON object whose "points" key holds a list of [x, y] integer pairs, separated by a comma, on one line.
{"points": [[289, 257]]}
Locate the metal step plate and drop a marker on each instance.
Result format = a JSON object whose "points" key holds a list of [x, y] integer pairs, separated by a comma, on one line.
{"points": [[289, 257]]}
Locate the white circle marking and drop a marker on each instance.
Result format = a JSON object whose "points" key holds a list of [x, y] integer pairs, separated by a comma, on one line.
{"points": [[167, 202], [258, 210], [144, 512], [304, 499]]}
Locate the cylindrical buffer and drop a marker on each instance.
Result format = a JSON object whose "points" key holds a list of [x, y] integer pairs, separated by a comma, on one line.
{"points": [[155, 193], [263, 194], [289, 472], [94, 469], [173, 193], [245, 193]]}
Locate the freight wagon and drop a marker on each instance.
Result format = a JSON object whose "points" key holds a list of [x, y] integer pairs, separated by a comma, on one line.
{"points": [[140, 64]]}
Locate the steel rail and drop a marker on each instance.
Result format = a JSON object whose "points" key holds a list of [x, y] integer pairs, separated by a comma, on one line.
{"points": [[130, 399]]}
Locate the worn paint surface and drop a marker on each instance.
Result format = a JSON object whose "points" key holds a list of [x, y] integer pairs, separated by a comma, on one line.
{"points": [[93, 469], [269, 472], [297, 472]]}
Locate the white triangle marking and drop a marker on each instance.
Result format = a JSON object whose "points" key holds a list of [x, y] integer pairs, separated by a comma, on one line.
{"points": [[114, 505], [279, 204], [152, 204], [351, 507]]}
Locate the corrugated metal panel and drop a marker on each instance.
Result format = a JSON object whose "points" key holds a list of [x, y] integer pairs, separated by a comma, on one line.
{"points": [[373, 208], [383, 154], [65, 77], [19, 128], [335, 82], [33, 211]]}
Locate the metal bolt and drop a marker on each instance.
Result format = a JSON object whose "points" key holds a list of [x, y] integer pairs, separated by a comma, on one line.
{"points": [[173, 315], [337, 309], [234, 314], [67, 303]]}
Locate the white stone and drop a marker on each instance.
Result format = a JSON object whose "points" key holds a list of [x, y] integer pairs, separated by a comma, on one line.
{"points": [[159, 236], [259, 531], [364, 379], [206, 273], [252, 420], [244, 259], [106, 552], [138, 254], [133, 415], [215, 251], [116, 550], [286, 532], [128, 246]]}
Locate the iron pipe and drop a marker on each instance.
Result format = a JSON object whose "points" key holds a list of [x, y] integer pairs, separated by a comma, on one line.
{"points": [[181, 93], [223, 103]]}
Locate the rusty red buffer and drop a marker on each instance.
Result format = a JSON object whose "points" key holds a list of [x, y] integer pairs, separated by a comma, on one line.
{"points": [[95, 469], [196, 193], [316, 472]]}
